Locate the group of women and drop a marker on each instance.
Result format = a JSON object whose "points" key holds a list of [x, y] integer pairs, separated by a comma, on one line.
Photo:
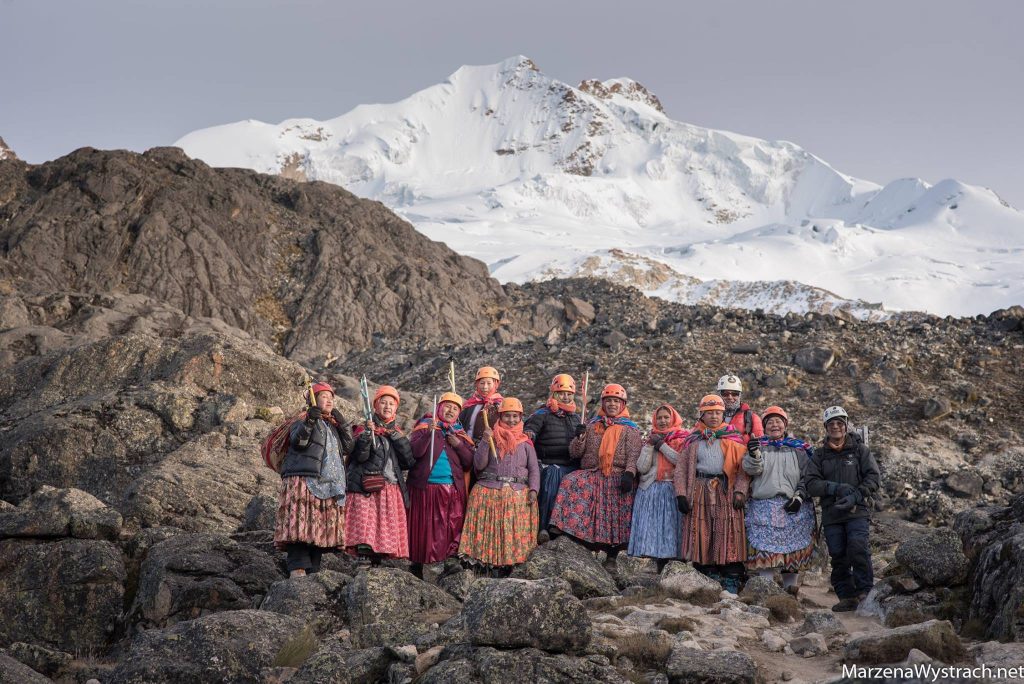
{"points": [[474, 481]]}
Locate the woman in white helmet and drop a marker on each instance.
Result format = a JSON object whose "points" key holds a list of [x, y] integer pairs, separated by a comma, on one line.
{"points": [[780, 519]]}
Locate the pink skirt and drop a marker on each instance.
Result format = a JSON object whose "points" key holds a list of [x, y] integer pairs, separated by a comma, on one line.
{"points": [[377, 520], [435, 522], [304, 519]]}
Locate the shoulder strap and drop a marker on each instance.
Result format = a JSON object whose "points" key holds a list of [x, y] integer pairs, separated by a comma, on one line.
{"points": [[748, 423]]}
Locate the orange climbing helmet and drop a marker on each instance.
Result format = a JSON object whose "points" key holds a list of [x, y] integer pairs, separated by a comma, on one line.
{"points": [[613, 390], [510, 404], [487, 372], [452, 397], [711, 402], [563, 382], [775, 411]]}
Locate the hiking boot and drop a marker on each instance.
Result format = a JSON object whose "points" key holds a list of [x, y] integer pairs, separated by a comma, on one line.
{"points": [[543, 537], [846, 605]]}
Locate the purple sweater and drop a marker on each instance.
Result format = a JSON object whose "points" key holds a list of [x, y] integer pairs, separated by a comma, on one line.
{"points": [[460, 459], [520, 463]]}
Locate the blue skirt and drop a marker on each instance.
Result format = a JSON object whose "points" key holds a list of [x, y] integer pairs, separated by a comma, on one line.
{"points": [[550, 477], [657, 523]]}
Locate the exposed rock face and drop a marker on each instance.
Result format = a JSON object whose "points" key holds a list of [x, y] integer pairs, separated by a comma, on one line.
{"points": [[59, 513], [260, 253], [687, 665], [318, 599], [391, 607], [564, 558], [937, 558], [682, 581], [514, 613], [191, 575], [997, 588], [935, 637], [225, 647], [65, 594], [486, 665]]}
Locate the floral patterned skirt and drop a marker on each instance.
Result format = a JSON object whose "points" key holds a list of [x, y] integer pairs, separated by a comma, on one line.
{"points": [[500, 528], [777, 539], [304, 519], [589, 506], [378, 520]]}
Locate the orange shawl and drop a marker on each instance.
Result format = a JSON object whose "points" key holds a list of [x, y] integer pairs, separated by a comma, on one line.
{"points": [[610, 434], [506, 439]]}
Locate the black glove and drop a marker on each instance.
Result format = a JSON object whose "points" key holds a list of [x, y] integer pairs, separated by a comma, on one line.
{"points": [[839, 489], [580, 429], [846, 503], [626, 483], [793, 505], [739, 500], [754, 448], [656, 441], [338, 418], [313, 414], [684, 505]]}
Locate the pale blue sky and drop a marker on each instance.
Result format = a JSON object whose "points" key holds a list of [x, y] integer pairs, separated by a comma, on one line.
{"points": [[881, 90]]}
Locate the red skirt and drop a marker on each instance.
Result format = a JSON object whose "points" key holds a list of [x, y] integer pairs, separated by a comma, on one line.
{"points": [[304, 519], [435, 522], [377, 520]]}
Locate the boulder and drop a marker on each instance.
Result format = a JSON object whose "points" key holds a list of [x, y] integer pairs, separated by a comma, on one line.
{"points": [[997, 587], [14, 672], [578, 312], [494, 666], [260, 513], [515, 613], [682, 581], [564, 558], [937, 557], [190, 575], [43, 660], [65, 594], [809, 645], [966, 483], [52, 512], [317, 599], [690, 666], [815, 360], [633, 571], [457, 583], [824, 622], [335, 663], [615, 339], [758, 588], [936, 408], [935, 637], [390, 607], [233, 646]]}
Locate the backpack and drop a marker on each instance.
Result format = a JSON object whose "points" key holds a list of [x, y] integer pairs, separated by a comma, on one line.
{"points": [[275, 446]]}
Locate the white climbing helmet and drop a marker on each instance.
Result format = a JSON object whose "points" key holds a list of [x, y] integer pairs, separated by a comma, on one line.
{"points": [[835, 412], [729, 382]]}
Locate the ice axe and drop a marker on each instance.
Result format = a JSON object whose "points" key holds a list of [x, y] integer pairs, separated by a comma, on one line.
{"points": [[364, 393]]}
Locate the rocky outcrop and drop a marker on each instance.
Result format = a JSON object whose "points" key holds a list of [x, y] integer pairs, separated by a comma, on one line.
{"points": [[935, 637], [937, 558], [318, 600], [260, 253], [65, 594], [225, 647], [481, 665], [190, 575], [997, 585], [389, 607], [513, 613], [58, 513], [690, 666], [565, 558]]}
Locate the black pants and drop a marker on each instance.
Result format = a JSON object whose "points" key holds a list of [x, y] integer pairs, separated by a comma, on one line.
{"points": [[304, 557], [851, 557]]}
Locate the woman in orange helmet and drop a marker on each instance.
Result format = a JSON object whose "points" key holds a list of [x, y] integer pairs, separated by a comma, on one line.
{"points": [[595, 503], [657, 524], [780, 520], [552, 428], [711, 493], [437, 489], [501, 518], [485, 398]]}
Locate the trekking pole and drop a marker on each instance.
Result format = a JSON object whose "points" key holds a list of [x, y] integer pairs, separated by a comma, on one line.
{"points": [[433, 429], [586, 383], [487, 424], [364, 392]]}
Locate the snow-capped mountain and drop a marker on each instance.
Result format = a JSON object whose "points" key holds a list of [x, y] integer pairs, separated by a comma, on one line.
{"points": [[539, 179]]}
